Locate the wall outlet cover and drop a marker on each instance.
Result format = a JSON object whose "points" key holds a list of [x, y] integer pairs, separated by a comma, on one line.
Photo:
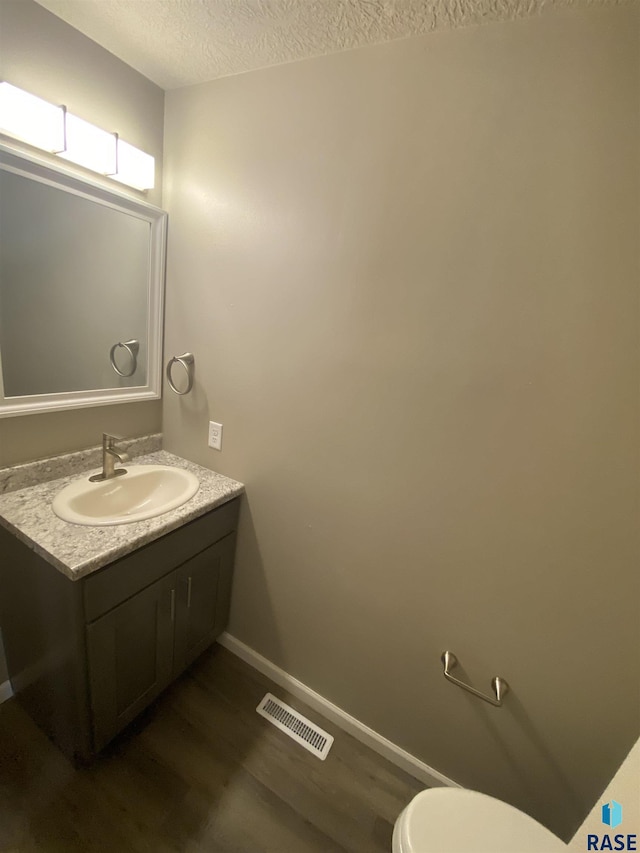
{"points": [[215, 435]]}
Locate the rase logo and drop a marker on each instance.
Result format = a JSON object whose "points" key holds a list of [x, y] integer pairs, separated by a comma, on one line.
{"points": [[612, 816]]}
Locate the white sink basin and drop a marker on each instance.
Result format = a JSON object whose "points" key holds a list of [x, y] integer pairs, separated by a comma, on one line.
{"points": [[143, 492]]}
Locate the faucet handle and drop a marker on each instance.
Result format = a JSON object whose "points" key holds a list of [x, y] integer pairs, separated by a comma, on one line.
{"points": [[108, 439], [109, 454]]}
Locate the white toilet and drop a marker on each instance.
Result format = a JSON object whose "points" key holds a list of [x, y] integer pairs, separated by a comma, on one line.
{"points": [[455, 820]]}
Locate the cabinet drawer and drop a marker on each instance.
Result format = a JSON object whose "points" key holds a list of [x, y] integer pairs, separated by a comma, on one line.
{"points": [[108, 587]]}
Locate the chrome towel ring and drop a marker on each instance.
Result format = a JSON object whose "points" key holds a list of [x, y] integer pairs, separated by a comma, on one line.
{"points": [[132, 347], [499, 685], [186, 361]]}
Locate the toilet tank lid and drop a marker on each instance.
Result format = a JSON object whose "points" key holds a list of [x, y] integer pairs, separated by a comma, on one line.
{"points": [[461, 821]]}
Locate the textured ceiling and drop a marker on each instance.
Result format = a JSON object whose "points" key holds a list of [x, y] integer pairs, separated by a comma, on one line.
{"points": [[179, 42]]}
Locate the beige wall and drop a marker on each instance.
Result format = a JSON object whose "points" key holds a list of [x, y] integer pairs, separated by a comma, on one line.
{"points": [[624, 789], [409, 277], [44, 55]]}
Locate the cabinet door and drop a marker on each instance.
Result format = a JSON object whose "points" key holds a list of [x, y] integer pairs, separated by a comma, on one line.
{"points": [[204, 592], [130, 651]]}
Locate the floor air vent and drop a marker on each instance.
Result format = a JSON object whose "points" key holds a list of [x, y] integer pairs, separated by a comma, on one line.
{"points": [[295, 725]]}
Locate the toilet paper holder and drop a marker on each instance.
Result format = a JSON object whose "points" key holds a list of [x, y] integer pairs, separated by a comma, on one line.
{"points": [[499, 685]]}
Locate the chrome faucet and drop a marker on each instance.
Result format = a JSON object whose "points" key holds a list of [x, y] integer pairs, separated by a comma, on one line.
{"points": [[109, 458]]}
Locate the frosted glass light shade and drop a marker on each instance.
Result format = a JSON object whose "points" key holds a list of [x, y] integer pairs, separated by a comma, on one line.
{"points": [[31, 119], [135, 168], [89, 146], [52, 128]]}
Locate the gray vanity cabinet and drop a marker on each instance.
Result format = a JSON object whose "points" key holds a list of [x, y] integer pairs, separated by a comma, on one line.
{"points": [[130, 658], [135, 650], [86, 656], [203, 592]]}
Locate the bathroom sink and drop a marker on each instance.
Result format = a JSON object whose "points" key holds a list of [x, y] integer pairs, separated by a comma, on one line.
{"points": [[143, 492]]}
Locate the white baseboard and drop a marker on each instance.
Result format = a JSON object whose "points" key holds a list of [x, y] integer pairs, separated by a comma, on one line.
{"points": [[5, 691], [393, 753]]}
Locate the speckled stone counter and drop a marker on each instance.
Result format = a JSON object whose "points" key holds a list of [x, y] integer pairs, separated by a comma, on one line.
{"points": [[17, 477], [76, 550]]}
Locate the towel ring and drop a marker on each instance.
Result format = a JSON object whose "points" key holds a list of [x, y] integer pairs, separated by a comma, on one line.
{"points": [[186, 361], [132, 348]]}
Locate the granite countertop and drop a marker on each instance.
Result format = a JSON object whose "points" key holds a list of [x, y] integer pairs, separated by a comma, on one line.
{"points": [[77, 550]]}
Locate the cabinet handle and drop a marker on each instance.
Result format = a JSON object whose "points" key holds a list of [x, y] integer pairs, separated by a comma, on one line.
{"points": [[189, 592], [173, 605]]}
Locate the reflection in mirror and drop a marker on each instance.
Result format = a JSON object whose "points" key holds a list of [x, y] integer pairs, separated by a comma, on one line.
{"points": [[81, 281]]}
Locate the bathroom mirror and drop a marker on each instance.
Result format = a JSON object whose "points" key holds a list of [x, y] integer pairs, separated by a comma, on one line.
{"points": [[81, 290]]}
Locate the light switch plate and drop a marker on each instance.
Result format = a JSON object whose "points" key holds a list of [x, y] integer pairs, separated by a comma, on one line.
{"points": [[215, 435]]}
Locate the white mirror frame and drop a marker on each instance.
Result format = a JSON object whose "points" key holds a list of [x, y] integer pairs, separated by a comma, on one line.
{"points": [[18, 162]]}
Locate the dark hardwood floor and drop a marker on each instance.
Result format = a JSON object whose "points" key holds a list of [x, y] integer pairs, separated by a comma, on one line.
{"points": [[199, 771]]}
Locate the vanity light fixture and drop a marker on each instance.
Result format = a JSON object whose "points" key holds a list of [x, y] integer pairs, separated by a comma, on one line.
{"points": [[89, 146], [31, 119], [134, 167], [51, 128]]}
